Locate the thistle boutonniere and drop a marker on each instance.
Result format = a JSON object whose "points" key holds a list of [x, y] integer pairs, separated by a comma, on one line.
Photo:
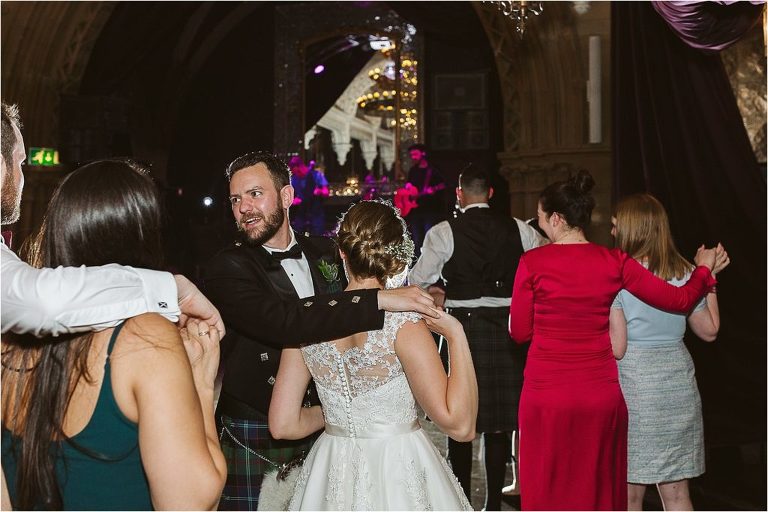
{"points": [[330, 272]]}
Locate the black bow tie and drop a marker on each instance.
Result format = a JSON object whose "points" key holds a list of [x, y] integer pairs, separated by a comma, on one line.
{"points": [[293, 253]]}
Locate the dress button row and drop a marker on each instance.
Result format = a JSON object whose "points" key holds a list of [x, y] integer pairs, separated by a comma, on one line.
{"points": [[347, 397]]}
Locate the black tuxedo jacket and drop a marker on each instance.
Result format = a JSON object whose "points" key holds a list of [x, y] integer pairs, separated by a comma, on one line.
{"points": [[263, 313]]}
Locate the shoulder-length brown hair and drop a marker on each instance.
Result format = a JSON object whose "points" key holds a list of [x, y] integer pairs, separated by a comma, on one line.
{"points": [[642, 231]]}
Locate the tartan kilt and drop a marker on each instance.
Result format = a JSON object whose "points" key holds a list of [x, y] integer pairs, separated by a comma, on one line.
{"points": [[245, 471], [499, 364]]}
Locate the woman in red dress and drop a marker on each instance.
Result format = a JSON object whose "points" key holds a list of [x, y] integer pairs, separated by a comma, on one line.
{"points": [[573, 419]]}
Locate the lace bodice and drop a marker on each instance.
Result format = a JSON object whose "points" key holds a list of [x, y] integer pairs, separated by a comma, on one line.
{"points": [[363, 386], [373, 454]]}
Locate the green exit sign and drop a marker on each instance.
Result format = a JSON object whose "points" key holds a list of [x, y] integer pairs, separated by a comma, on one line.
{"points": [[43, 156]]}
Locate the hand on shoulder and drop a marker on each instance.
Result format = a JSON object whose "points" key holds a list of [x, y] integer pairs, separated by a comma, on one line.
{"points": [[445, 325], [194, 304], [409, 298]]}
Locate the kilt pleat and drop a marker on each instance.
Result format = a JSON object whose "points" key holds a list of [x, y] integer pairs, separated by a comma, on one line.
{"points": [[499, 364], [245, 470]]}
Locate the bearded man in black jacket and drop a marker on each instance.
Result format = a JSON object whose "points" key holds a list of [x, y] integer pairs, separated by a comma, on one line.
{"points": [[276, 288]]}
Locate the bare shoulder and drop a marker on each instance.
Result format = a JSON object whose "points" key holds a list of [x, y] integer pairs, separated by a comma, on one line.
{"points": [[150, 330], [146, 360]]}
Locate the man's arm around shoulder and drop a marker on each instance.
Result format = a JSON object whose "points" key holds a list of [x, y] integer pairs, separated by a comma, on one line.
{"points": [[78, 299], [241, 290]]}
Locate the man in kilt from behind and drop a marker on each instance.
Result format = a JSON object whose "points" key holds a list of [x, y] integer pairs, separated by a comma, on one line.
{"points": [[276, 288], [476, 256]]}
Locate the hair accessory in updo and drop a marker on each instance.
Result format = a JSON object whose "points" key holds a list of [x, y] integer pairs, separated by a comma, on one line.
{"points": [[374, 239], [404, 250]]}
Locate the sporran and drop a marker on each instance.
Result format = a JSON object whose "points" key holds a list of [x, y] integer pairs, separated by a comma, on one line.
{"points": [[278, 485]]}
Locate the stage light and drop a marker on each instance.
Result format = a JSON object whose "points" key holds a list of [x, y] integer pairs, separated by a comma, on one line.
{"points": [[381, 44], [207, 201], [319, 69]]}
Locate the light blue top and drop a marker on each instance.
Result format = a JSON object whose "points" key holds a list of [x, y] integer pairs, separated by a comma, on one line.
{"points": [[650, 327]]}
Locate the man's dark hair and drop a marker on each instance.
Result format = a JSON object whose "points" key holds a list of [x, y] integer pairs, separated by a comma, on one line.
{"points": [[420, 147], [10, 116], [278, 170], [475, 180]]}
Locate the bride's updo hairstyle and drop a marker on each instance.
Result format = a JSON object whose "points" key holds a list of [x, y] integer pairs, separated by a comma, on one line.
{"points": [[375, 240], [571, 199]]}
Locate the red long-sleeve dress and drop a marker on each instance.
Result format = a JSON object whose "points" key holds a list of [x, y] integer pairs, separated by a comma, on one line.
{"points": [[573, 419]]}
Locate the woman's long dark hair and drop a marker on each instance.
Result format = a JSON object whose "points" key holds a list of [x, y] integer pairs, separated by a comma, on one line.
{"points": [[104, 212]]}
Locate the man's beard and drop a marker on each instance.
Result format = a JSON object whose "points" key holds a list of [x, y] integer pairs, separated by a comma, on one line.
{"points": [[259, 235], [11, 202]]}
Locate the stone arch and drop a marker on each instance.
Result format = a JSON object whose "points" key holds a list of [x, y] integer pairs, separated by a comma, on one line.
{"points": [[543, 81], [45, 48], [541, 75]]}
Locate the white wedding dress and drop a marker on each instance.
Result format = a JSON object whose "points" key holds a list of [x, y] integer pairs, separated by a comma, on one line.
{"points": [[373, 454]]}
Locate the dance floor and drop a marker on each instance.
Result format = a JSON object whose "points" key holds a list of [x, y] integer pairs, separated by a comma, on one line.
{"points": [[478, 468], [734, 479]]}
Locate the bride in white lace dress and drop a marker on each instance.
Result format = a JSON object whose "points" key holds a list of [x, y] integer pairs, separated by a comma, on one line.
{"points": [[373, 454]]}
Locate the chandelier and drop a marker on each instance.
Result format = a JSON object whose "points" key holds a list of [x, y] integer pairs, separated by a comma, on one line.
{"points": [[518, 11], [379, 100]]}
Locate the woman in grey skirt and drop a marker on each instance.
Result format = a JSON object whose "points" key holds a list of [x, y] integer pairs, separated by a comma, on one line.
{"points": [[666, 438]]}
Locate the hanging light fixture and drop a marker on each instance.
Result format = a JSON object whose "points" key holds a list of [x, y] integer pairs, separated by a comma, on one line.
{"points": [[518, 11], [379, 100]]}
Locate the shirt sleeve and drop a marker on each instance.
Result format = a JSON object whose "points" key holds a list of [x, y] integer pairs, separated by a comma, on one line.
{"points": [[79, 299], [617, 302], [435, 253], [521, 308], [530, 238], [658, 293], [702, 304]]}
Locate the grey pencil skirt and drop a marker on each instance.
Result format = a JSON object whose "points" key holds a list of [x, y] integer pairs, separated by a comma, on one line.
{"points": [[666, 431]]}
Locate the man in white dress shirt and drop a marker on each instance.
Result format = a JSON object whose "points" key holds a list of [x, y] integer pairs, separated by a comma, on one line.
{"points": [[46, 301], [69, 300], [476, 257]]}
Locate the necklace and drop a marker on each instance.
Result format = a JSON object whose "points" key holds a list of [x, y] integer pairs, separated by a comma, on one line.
{"points": [[579, 239]]}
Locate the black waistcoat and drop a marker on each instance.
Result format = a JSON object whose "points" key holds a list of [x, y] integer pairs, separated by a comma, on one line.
{"points": [[486, 250]]}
